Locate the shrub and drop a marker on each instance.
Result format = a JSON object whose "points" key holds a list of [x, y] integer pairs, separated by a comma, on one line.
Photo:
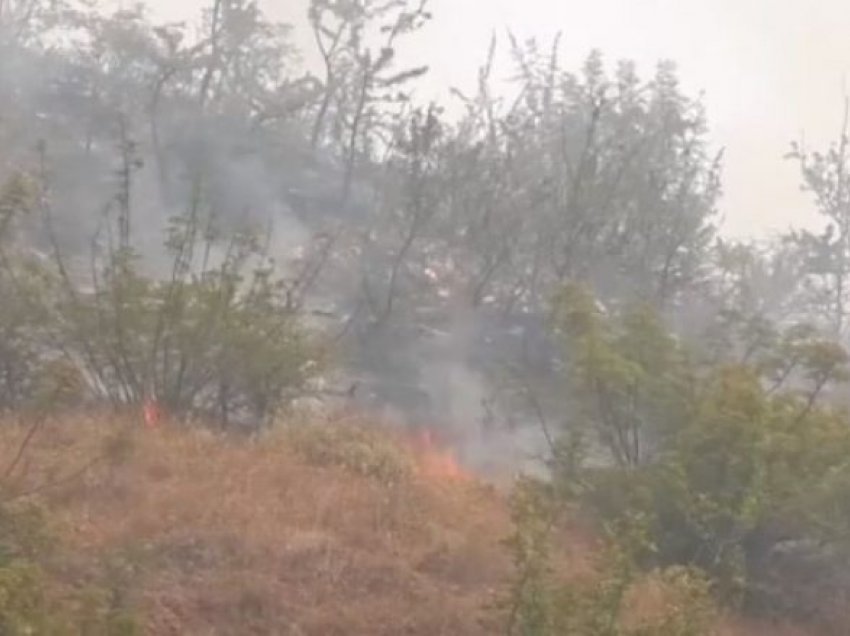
{"points": [[746, 458], [221, 335], [22, 604], [530, 606], [25, 287], [355, 448], [35, 603], [544, 602]]}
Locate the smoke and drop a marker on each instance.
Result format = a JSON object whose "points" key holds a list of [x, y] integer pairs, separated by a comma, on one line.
{"points": [[92, 129], [468, 405], [240, 180]]}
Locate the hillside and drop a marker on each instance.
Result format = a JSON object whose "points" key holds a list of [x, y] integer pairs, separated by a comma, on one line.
{"points": [[309, 531]]}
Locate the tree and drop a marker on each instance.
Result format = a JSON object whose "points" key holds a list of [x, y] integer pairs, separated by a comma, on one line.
{"points": [[358, 42], [542, 603], [724, 486], [827, 255], [584, 176], [632, 376]]}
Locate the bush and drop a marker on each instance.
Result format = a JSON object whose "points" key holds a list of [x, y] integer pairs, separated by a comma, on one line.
{"points": [[745, 460], [355, 448], [22, 604], [25, 287], [34, 603], [544, 602], [221, 337]]}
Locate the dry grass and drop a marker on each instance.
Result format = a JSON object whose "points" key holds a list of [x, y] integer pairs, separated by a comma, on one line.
{"points": [[226, 536]]}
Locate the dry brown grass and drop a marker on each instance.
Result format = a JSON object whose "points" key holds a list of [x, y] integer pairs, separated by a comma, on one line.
{"points": [[236, 536]]}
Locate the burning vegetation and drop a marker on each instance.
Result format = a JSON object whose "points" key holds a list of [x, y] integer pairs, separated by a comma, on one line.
{"points": [[436, 461], [279, 539], [264, 325]]}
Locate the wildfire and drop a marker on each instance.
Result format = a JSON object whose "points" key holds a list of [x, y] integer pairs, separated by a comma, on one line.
{"points": [[151, 413], [435, 462]]}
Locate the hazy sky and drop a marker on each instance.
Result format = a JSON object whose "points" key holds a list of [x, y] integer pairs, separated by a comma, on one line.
{"points": [[772, 71]]}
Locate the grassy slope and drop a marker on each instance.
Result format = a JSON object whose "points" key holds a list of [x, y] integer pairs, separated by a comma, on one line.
{"points": [[213, 536]]}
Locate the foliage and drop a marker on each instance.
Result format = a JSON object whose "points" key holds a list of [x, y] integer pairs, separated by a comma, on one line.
{"points": [[36, 596], [24, 284], [739, 447], [689, 609], [596, 173], [728, 451], [355, 448], [32, 602], [614, 170], [358, 43], [632, 375], [826, 255], [603, 602], [224, 339], [530, 603]]}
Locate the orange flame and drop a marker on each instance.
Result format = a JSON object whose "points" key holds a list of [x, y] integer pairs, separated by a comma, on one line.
{"points": [[437, 463], [151, 413]]}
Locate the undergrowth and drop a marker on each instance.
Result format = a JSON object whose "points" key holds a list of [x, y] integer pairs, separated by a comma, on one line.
{"points": [[355, 448], [616, 599], [34, 601]]}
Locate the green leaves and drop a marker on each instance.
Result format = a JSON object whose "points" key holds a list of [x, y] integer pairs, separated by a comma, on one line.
{"points": [[630, 373], [531, 604], [222, 341], [738, 452], [546, 602]]}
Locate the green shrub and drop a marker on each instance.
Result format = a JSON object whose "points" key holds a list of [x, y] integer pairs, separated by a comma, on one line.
{"points": [[34, 601], [224, 336], [743, 458], [531, 601], [23, 607], [543, 603]]}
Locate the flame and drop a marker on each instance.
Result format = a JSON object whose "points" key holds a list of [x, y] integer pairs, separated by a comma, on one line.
{"points": [[437, 463], [151, 413]]}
